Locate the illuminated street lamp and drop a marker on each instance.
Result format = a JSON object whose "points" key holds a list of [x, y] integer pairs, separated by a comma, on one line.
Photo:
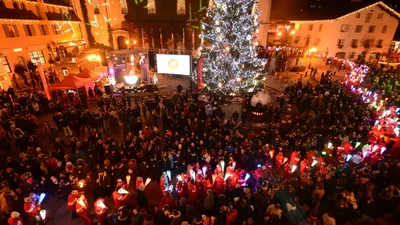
{"points": [[312, 50], [134, 42]]}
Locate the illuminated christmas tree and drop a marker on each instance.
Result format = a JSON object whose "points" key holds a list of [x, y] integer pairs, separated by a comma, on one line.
{"points": [[229, 51]]}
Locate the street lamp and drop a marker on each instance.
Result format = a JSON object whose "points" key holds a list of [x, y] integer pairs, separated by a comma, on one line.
{"points": [[312, 50], [127, 43], [134, 42]]}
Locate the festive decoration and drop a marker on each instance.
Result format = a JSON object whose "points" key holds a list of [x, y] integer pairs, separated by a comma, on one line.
{"points": [[128, 179], [122, 191], [147, 181], [41, 198], [228, 49], [42, 214]]}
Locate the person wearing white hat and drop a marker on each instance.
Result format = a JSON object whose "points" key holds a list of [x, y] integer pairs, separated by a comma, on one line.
{"points": [[15, 219]]}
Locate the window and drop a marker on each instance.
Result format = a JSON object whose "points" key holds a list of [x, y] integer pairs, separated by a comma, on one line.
{"points": [[316, 41], [340, 43], [358, 15], [380, 15], [10, 30], [354, 43], [371, 29], [29, 30], [358, 29], [384, 28], [379, 44], [345, 28], [16, 5], [151, 6], [310, 27], [37, 57], [352, 55], [56, 29], [124, 6], [181, 7], [320, 27], [368, 17], [44, 30], [5, 64], [96, 7]]}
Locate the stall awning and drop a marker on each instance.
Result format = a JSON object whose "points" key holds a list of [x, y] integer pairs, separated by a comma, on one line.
{"points": [[71, 82]]}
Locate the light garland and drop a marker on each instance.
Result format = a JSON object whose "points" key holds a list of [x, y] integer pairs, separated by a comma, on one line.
{"points": [[352, 13], [18, 21], [35, 3]]}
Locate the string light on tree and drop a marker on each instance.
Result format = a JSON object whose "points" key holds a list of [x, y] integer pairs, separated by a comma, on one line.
{"points": [[228, 49]]}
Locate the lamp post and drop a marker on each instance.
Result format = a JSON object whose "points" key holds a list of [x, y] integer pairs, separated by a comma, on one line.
{"points": [[311, 51]]}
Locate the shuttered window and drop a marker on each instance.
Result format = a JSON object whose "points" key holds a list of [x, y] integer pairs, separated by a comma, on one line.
{"points": [[10, 30], [29, 30]]}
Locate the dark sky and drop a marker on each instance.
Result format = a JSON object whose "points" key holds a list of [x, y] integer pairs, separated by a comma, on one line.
{"points": [[287, 8]]}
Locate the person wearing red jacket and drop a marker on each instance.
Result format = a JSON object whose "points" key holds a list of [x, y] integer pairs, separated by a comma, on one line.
{"points": [[179, 190], [206, 186], [72, 198], [304, 166], [119, 197], [192, 198], [219, 184], [287, 171], [231, 216], [167, 200], [31, 207], [279, 160], [15, 219], [100, 210], [295, 157], [82, 210]]}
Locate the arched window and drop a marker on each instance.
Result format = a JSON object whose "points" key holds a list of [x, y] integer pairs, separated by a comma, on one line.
{"points": [[151, 6], [181, 7]]}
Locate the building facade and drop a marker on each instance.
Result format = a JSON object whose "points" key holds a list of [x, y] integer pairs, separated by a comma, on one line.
{"points": [[36, 31], [103, 20], [365, 33]]}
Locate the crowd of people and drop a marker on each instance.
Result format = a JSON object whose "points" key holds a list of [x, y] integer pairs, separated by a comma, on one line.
{"points": [[182, 161]]}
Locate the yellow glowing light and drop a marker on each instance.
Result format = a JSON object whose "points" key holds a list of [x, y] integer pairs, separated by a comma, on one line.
{"points": [[134, 42], [280, 33], [313, 50], [127, 42], [293, 32]]}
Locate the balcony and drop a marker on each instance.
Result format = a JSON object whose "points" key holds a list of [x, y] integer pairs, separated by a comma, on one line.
{"points": [[19, 14]]}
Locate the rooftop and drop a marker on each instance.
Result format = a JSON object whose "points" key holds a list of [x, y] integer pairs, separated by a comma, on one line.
{"points": [[7, 13]]}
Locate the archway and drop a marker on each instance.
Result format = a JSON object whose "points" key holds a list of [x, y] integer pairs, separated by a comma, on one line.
{"points": [[122, 42]]}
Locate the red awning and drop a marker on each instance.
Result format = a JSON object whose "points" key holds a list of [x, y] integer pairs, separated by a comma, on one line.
{"points": [[71, 82]]}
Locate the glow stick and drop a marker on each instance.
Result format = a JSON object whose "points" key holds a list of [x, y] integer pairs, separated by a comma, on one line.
{"points": [[357, 144], [147, 181], [314, 163], [329, 145], [128, 179], [294, 167], [375, 148], [214, 177], [122, 191], [171, 187], [226, 176], [348, 157], [179, 177], [80, 184], [246, 177], [41, 197], [222, 165], [285, 160], [365, 153], [199, 172], [259, 166], [193, 175], [233, 165], [383, 149], [81, 202], [323, 152], [169, 174], [204, 170], [398, 109], [42, 214], [101, 204], [397, 131], [376, 122], [271, 154]]}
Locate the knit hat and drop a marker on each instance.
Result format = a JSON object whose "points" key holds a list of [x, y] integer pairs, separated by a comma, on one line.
{"points": [[15, 215]]}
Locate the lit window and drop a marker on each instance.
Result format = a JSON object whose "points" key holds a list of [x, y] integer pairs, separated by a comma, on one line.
{"points": [[29, 30], [368, 18], [151, 6], [124, 6], [5, 64], [37, 57], [345, 28], [181, 7], [384, 28], [10, 30]]}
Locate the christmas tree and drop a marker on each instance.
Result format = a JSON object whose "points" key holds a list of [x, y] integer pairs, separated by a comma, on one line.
{"points": [[229, 51]]}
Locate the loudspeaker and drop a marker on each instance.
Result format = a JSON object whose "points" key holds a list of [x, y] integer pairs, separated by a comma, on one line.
{"points": [[152, 56], [108, 89]]}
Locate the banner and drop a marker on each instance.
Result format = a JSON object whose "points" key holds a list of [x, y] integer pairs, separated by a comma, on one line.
{"points": [[200, 74], [44, 81]]}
